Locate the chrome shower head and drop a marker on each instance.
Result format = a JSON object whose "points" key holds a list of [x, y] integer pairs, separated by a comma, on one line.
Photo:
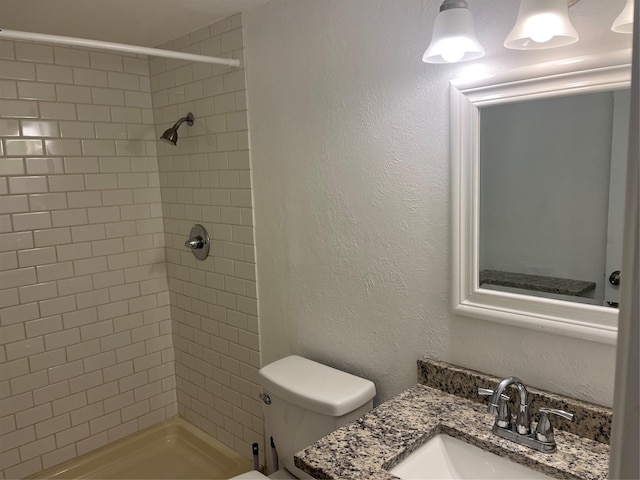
{"points": [[170, 135]]}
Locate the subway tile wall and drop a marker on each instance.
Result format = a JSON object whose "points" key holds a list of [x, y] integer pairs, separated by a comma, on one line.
{"points": [[85, 329], [205, 179]]}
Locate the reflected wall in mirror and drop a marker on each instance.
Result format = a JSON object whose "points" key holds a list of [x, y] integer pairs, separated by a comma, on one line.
{"points": [[536, 162], [551, 171]]}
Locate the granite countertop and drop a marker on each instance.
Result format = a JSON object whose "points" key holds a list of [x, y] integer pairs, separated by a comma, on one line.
{"points": [[538, 283], [380, 439]]}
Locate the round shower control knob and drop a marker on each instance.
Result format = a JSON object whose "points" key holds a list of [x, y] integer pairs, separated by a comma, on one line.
{"points": [[198, 242], [614, 278]]}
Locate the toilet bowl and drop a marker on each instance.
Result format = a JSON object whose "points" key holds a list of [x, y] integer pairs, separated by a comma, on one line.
{"points": [[304, 401]]}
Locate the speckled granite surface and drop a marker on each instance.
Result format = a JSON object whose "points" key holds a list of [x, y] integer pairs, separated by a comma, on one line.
{"points": [[590, 420], [366, 448], [538, 283]]}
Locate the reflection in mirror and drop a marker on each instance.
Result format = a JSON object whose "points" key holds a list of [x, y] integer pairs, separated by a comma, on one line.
{"points": [[551, 177], [537, 158]]}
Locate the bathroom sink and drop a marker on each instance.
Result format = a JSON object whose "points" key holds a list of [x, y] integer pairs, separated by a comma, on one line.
{"points": [[445, 457]]}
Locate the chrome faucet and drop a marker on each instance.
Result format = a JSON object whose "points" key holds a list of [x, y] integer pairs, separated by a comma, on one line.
{"points": [[520, 432]]}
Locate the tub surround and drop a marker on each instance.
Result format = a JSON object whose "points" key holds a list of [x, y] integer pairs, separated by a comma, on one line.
{"points": [[368, 447]]}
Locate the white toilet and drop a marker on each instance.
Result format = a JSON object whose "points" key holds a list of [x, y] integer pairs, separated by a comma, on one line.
{"points": [[305, 400]]}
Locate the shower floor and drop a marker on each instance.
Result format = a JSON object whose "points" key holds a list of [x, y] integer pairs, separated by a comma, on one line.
{"points": [[173, 449]]}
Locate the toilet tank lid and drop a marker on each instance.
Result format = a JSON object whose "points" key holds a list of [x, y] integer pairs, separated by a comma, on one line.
{"points": [[315, 386]]}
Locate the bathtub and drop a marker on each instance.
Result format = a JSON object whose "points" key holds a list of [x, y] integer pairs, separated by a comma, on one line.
{"points": [[173, 449]]}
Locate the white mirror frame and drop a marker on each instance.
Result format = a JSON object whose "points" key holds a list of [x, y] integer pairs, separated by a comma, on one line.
{"points": [[591, 322]]}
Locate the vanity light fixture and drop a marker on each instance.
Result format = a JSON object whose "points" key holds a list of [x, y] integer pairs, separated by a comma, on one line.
{"points": [[454, 36], [624, 22], [542, 24]]}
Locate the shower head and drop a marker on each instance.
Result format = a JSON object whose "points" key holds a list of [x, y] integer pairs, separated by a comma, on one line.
{"points": [[170, 135]]}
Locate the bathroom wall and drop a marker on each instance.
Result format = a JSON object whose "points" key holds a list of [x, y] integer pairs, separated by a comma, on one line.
{"points": [[85, 344], [205, 179], [349, 140]]}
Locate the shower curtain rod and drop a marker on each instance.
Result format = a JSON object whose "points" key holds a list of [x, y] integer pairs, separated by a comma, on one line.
{"points": [[117, 47]]}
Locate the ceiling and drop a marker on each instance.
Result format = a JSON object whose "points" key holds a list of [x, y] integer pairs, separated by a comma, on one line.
{"points": [[147, 23]]}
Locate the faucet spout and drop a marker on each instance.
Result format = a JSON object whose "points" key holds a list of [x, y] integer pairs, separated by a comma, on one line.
{"points": [[494, 404], [523, 421]]}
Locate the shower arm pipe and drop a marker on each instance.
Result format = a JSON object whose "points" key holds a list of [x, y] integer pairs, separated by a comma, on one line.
{"points": [[117, 47]]}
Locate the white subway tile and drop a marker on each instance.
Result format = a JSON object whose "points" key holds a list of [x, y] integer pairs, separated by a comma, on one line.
{"points": [[32, 221], [77, 130], [36, 91], [105, 422], [101, 181], [64, 147], [86, 381], [48, 201], [38, 291], [58, 456], [70, 217], [33, 415], [18, 313], [24, 469], [73, 93], [17, 70], [55, 271], [33, 184], [44, 166], [94, 113], [57, 305], [14, 204], [92, 443], [107, 96], [71, 56], [62, 339], [24, 348], [54, 73], [63, 372], [106, 61], [47, 360], [84, 414], [8, 89], [83, 164], [57, 111], [72, 435], [80, 318], [80, 199], [17, 278], [90, 77], [37, 448], [42, 326]]}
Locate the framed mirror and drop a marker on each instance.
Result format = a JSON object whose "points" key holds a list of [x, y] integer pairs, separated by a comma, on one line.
{"points": [[538, 161]]}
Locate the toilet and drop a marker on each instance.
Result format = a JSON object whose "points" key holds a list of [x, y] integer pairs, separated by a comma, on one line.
{"points": [[304, 401]]}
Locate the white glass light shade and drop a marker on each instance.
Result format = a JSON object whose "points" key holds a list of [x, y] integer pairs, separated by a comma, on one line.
{"points": [[454, 38], [624, 22], [542, 24]]}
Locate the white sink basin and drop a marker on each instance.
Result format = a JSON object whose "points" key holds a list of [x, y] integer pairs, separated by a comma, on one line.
{"points": [[445, 457]]}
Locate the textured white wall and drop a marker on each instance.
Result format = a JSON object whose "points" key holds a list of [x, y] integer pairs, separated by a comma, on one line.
{"points": [[350, 170]]}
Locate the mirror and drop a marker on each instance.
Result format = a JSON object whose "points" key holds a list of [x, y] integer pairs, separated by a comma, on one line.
{"points": [[538, 168]]}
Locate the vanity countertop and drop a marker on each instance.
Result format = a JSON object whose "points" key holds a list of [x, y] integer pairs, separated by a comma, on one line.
{"points": [[380, 439]]}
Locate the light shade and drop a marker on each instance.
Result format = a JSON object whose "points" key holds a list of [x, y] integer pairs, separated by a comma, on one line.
{"points": [[624, 22], [542, 24], [454, 37]]}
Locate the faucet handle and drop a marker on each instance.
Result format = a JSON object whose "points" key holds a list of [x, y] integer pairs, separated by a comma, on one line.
{"points": [[555, 411], [503, 417], [544, 430], [487, 392]]}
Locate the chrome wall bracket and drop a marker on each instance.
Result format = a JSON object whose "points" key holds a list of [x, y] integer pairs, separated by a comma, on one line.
{"points": [[198, 242]]}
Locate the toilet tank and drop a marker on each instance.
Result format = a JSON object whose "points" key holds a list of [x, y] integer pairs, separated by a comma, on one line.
{"points": [[308, 401]]}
